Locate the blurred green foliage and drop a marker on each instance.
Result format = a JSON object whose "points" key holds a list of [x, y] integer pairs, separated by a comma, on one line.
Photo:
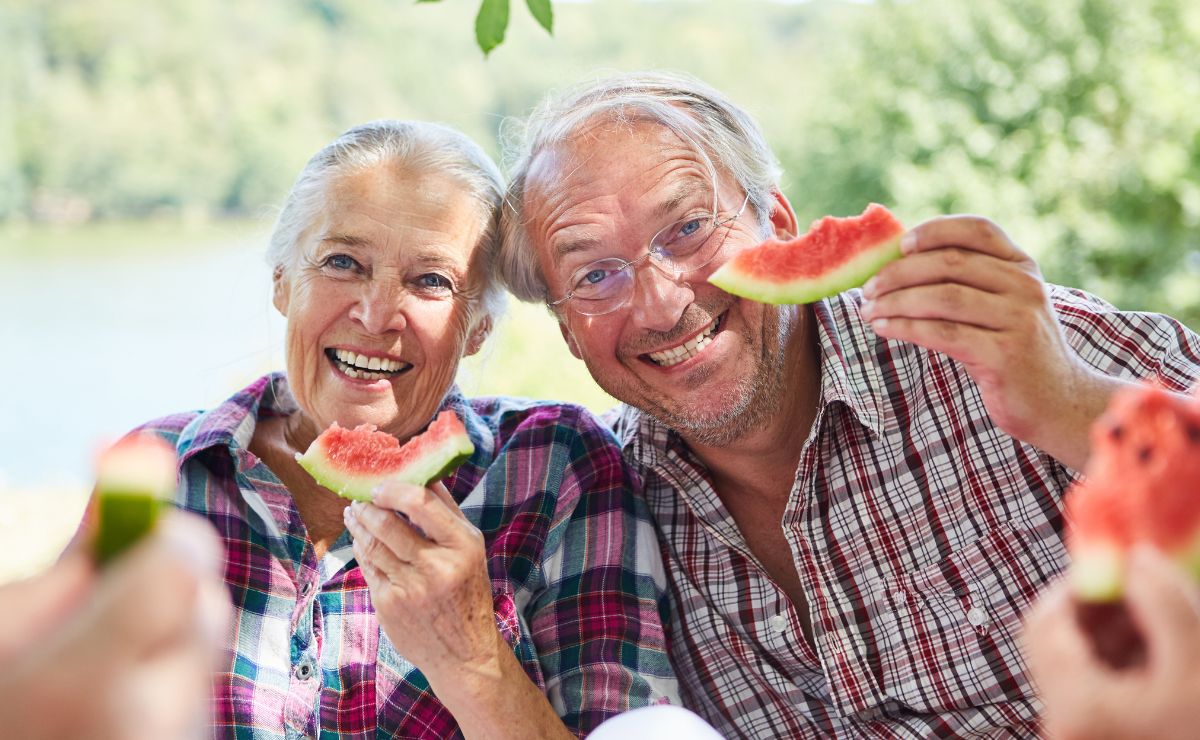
{"points": [[1075, 125]]}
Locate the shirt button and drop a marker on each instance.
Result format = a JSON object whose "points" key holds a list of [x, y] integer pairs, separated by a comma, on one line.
{"points": [[976, 617], [778, 623], [304, 671]]}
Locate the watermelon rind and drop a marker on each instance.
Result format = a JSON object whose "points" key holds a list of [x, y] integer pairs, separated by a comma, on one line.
{"points": [[1097, 573], [851, 274], [134, 480], [437, 462]]}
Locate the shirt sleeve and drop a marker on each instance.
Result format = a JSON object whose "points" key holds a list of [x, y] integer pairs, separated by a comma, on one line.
{"points": [[597, 620], [1128, 344]]}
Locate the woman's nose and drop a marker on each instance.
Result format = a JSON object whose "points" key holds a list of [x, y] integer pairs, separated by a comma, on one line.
{"points": [[380, 307], [659, 297]]}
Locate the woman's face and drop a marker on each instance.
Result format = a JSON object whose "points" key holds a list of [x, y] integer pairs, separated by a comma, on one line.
{"points": [[378, 301]]}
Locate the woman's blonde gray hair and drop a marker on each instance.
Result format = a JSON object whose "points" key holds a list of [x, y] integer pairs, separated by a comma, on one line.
{"points": [[413, 146], [726, 138]]}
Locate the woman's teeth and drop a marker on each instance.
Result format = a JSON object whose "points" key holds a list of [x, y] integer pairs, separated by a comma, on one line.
{"points": [[687, 350], [362, 367]]}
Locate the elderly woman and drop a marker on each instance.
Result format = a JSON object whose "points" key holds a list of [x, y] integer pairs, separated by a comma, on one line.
{"points": [[522, 599]]}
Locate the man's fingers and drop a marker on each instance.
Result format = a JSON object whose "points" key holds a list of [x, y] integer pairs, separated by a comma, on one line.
{"points": [[965, 343], [945, 302], [1165, 603], [964, 267], [969, 232]]}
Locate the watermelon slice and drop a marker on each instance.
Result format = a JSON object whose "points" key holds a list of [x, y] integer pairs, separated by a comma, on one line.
{"points": [[352, 462], [1142, 485], [835, 255], [134, 478]]}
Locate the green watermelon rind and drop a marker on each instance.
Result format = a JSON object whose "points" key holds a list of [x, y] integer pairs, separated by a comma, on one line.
{"points": [[850, 274], [1097, 573], [437, 463]]}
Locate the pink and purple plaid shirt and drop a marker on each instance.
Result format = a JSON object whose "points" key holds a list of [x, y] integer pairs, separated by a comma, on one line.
{"points": [[920, 531], [577, 581]]}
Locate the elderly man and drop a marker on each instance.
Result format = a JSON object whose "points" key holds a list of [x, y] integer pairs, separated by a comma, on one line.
{"points": [[855, 498]]}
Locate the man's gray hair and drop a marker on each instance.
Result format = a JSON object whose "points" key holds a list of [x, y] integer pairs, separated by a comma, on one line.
{"points": [[414, 146], [725, 137]]}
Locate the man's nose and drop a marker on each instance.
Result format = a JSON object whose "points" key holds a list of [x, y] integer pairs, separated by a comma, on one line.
{"points": [[659, 297], [381, 307]]}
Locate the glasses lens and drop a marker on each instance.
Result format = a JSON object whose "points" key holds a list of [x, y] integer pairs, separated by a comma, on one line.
{"points": [[601, 286], [685, 243]]}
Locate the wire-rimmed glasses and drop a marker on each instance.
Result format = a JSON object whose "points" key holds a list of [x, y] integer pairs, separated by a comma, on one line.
{"points": [[606, 284]]}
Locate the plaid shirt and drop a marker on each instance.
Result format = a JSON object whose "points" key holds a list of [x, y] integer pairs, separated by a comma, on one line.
{"points": [[577, 582], [919, 530]]}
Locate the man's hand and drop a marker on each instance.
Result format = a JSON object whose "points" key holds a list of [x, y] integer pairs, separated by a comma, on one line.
{"points": [[965, 289], [1085, 698], [128, 652]]}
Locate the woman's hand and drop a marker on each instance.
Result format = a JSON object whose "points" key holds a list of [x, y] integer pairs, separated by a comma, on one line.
{"points": [[1084, 697], [429, 582]]}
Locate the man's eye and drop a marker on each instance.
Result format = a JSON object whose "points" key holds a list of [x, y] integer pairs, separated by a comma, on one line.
{"points": [[687, 228], [595, 276]]}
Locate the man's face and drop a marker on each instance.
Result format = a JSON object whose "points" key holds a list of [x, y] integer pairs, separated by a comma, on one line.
{"points": [[705, 362]]}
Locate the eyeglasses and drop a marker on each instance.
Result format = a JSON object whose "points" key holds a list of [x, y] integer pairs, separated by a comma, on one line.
{"points": [[605, 285]]}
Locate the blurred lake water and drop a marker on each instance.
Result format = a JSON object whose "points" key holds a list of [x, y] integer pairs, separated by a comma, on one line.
{"points": [[104, 329]]}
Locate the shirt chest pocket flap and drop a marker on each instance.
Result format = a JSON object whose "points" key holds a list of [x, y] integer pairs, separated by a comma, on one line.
{"points": [[949, 633]]}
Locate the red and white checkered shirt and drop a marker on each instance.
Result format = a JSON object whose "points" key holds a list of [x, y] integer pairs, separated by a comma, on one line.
{"points": [[919, 530]]}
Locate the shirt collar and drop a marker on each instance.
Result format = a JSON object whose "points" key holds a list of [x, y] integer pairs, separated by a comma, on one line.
{"points": [[850, 374]]}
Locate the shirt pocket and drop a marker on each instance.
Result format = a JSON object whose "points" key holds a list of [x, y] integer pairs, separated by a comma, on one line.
{"points": [[949, 632]]}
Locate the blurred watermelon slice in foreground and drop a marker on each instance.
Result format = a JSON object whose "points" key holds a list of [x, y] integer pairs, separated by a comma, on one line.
{"points": [[1142, 485], [835, 255], [134, 478], [352, 462]]}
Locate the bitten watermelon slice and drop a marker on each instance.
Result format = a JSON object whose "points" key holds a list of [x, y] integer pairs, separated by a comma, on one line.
{"points": [[1142, 485], [352, 462], [835, 255], [134, 478]]}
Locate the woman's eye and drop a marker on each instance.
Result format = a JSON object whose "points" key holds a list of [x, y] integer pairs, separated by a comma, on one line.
{"points": [[434, 281], [341, 262]]}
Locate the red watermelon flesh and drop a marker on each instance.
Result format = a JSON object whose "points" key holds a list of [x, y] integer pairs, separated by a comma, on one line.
{"points": [[1142, 485], [353, 462], [835, 255]]}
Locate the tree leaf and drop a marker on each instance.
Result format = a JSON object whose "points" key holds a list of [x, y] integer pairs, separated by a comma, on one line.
{"points": [[543, 13], [490, 24]]}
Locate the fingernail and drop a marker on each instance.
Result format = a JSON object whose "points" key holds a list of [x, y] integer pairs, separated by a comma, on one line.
{"points": [[357, 507], [908, 242], [869, 288], [867, 308]]}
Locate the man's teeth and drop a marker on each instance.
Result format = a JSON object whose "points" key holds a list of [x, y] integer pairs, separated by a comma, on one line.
{"points": [[367, 368], [687, 350]]}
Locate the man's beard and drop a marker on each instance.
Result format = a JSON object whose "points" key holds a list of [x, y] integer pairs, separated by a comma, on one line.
{"points": [[758, 398]]}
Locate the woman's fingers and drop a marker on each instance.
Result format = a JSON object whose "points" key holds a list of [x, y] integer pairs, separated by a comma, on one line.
{"points": [[434, 513], [381, 537]]}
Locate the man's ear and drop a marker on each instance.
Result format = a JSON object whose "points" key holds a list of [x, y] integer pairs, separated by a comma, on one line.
{"points": [[783, 218], [569, 339], [479, 335], [280, 291]]}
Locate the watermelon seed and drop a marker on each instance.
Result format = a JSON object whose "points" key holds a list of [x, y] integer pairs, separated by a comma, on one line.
{"points": [[1116, 432], [1193, 433], [1145, 453]]}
